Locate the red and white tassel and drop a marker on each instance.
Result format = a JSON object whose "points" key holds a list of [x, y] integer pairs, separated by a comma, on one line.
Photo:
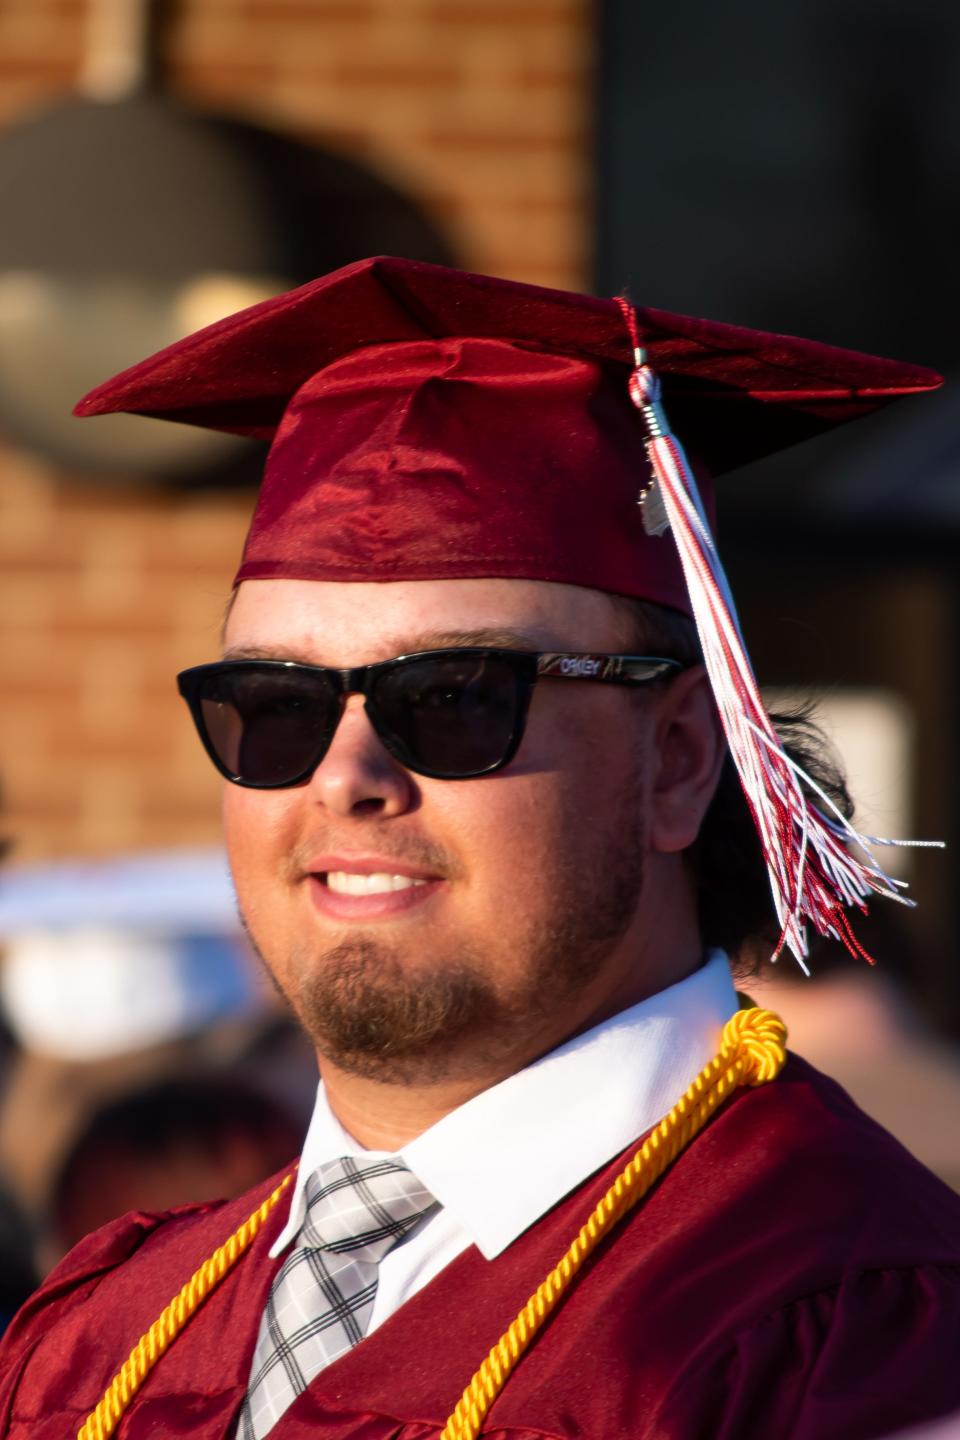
{"points": [[808, 844]]}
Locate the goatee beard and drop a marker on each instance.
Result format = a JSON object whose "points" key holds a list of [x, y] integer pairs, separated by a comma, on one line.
{"points": [[371, 1016]]}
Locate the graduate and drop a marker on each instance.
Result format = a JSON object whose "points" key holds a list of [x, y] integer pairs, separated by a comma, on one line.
{"points": [[502, 801]]}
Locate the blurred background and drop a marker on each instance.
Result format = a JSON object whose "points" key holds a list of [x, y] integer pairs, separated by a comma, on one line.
{"points": [[793, 167]]}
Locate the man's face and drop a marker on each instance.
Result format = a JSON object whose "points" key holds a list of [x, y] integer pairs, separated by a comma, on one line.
{"points": [[420, 926]]}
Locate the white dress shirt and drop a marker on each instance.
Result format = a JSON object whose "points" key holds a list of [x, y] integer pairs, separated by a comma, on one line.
{"points": [[502, 1160]]}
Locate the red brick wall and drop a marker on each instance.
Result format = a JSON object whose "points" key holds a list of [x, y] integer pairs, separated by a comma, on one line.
{"points": [[478, 107], [480, 110]]}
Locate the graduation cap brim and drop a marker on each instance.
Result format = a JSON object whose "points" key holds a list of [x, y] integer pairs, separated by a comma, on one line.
{"points": [[733, 394]]}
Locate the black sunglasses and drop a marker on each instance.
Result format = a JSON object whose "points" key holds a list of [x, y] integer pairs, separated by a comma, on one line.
{"points": [[449, 714]]}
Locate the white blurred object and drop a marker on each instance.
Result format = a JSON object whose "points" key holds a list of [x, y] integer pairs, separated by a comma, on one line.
{"points": [[175, 891], [91, 993], [103, 958]]}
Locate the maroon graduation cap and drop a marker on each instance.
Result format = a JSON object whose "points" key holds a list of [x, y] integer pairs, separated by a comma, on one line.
{"points": [[428, 423]]}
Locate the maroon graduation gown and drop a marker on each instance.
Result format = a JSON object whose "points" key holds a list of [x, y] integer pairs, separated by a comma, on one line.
{"points": [[796, 1274]]}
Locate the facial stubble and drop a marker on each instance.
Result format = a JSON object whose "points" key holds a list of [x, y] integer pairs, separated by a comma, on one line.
{"points": [[375, 1016]]}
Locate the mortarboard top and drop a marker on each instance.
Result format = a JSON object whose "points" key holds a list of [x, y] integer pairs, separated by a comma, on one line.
{"points": [[239, 374], [430, 422]]}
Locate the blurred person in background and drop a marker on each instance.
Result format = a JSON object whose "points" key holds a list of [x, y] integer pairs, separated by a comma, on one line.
{"points": [[491, 823], [203, 1137], [18, 1275], [861, 1026], [116, 977]]}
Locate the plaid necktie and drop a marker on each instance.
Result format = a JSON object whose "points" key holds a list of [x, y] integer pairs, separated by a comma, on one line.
{"points": [[322, 1297]]}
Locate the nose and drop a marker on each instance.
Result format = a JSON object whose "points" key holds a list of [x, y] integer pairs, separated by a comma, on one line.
{"points": [[357, 776]]}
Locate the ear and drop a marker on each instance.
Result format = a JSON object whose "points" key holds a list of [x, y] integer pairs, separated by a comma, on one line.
{"points": [[686, 757]]}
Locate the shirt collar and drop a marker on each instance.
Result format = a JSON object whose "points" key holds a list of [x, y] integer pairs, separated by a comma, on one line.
{"points": [[500, 1161]]}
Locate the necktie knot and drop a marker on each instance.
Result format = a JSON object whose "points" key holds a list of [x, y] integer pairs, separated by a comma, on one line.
{"points": [[362, 1206]]}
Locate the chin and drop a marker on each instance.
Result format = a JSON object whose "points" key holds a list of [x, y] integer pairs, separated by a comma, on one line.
{"points": [[370, 1013]]}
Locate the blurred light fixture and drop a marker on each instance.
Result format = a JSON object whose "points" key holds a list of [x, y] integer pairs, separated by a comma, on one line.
{"points": [[131, 219]]}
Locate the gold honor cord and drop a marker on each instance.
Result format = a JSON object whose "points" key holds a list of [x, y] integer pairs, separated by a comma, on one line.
{"points": [[752, 1052]]}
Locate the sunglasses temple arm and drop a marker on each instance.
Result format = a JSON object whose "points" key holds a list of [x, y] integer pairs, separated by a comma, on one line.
{"points": [[613, 669]]}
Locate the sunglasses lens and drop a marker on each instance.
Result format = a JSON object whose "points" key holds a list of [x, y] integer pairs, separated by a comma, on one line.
{"points": [[452, 715], [267, 726]]}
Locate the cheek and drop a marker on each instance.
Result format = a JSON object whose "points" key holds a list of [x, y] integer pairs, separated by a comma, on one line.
{"points": [[256, 825], [585, 760], [588, 742], [522, 833]]}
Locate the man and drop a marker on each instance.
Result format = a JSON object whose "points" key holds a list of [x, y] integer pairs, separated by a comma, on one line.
{"points": [[488, 879]]}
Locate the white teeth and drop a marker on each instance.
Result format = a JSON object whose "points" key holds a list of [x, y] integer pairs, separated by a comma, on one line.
{"points": [[345, 882]]}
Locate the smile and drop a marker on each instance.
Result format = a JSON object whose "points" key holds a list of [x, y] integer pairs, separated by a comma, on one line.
{"points": [[364, 890], [347, 882]]}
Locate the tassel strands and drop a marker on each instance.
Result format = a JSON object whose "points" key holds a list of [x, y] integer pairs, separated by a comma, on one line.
{"points": [[817, 862], [752, 1052]]}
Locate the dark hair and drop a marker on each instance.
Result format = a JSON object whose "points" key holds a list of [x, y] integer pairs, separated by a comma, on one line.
{"points": [[199, 1114], [735, 904], [169, 1114]]}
